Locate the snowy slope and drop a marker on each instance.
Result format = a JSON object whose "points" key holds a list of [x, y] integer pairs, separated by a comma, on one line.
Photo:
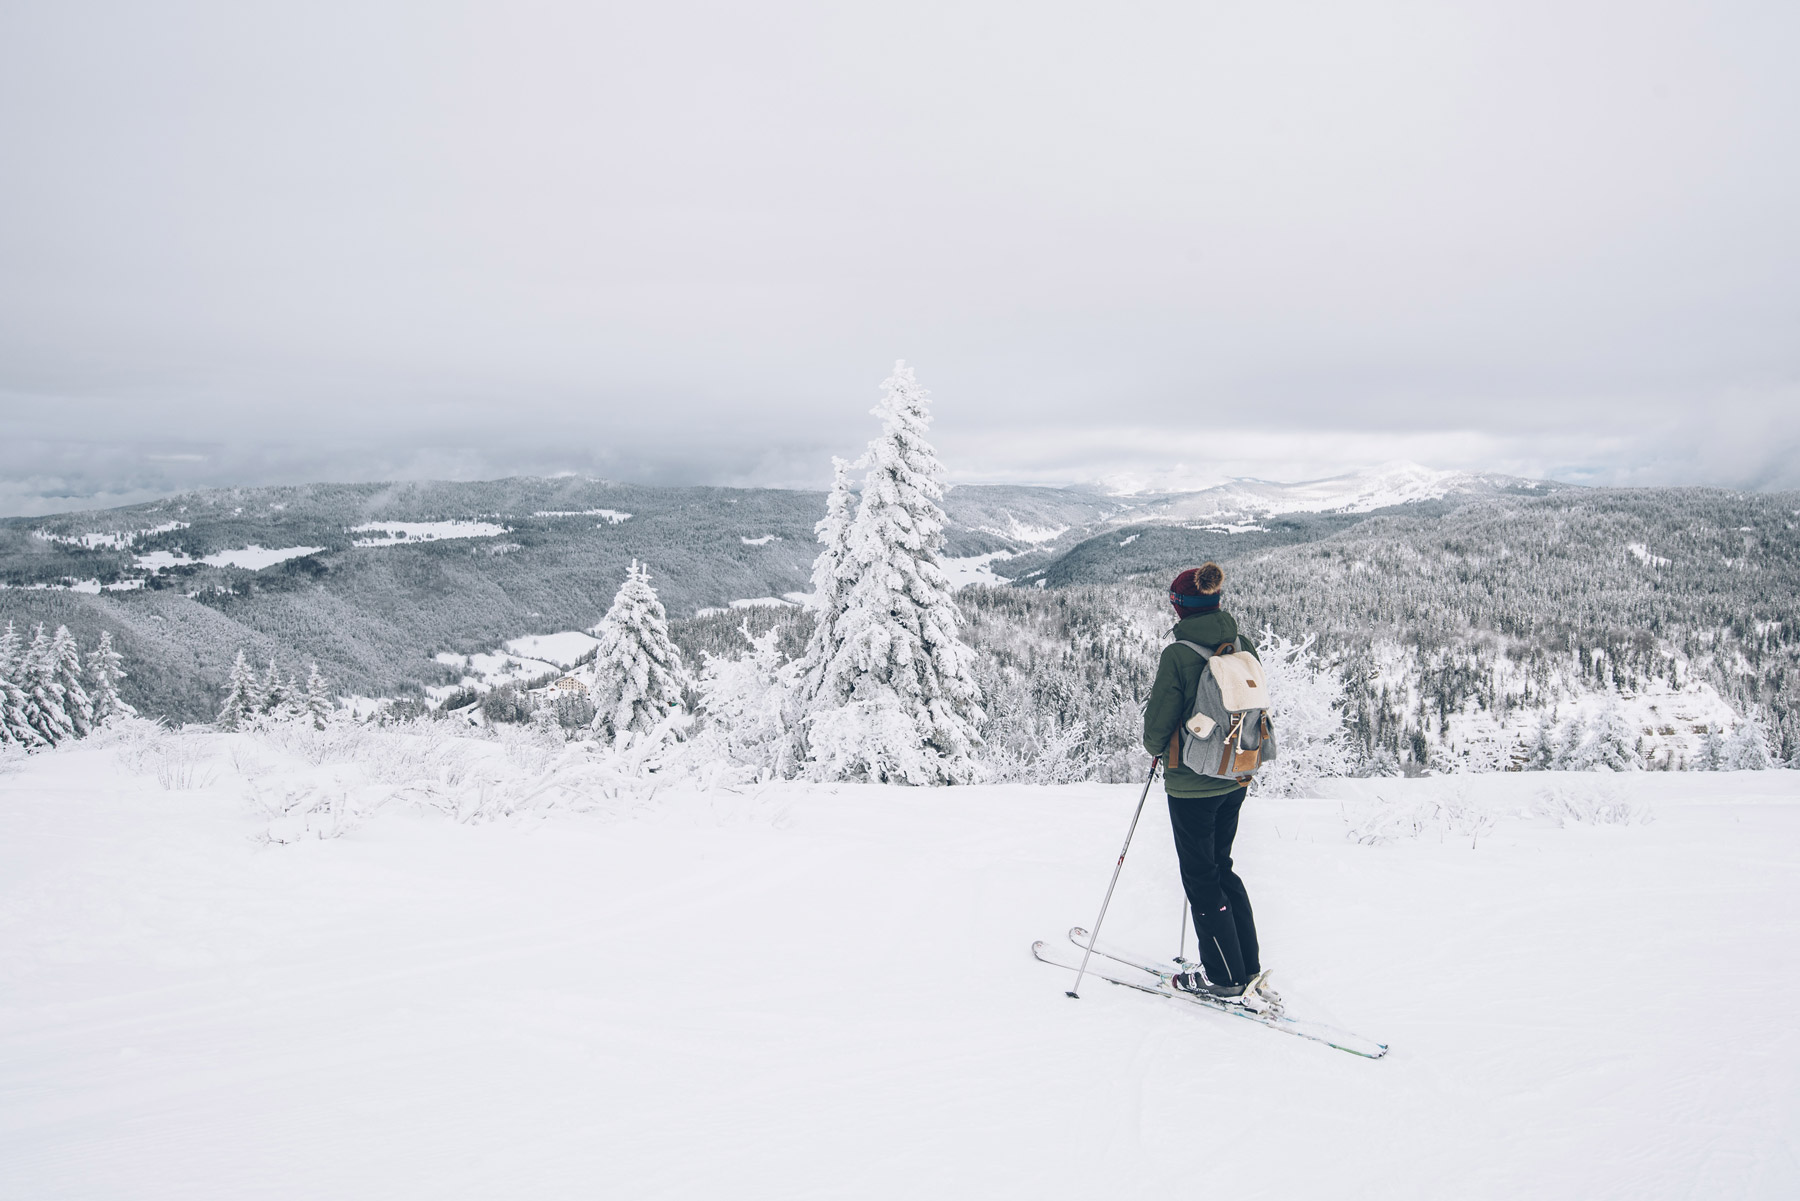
{"points": [[808, 992]]}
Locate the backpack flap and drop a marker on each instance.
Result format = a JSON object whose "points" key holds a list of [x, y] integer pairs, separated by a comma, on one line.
{"points": [[1241, 683]]}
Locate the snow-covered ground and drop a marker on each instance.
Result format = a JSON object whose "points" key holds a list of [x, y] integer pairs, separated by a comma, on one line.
{"points": [[613, 516], [562, 649], [518, 660], [974, 569], [824, 991], [392, 533]]}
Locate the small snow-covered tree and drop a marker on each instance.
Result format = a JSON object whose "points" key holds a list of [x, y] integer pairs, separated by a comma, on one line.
{"points": [[9, 651], [243, 699], [745, 702], [831, 579], [1573, 745], [1306, 710], [279, 698], [637, 680], [1614, 745], [1748, 747], [65, 659], [43, 691], [897, 701], [316, 705], [1712, 755], [105, 668], [1540, 753]]}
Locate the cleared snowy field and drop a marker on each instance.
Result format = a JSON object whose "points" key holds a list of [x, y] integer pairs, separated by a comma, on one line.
{"points": [[826, 992]]}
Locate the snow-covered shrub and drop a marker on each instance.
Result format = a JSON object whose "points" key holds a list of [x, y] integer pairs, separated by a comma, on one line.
{"points": [[1306, 709], [746, 702], [1441, 813], [1748, 747], [1605, 805], [308, 811], [179, 760]]}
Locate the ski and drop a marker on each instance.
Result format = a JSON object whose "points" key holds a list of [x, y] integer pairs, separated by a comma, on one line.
{"points": [[1162, 971], [1316, 1032]]}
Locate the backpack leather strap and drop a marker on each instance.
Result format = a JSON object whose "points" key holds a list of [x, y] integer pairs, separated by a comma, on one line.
{"points": [[1203, 652]]}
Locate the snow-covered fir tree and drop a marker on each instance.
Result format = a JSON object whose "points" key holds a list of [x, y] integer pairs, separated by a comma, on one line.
{"points": [[1614, 744], [44, 710], [745, 702], [65, 659], [1540, 754], [897, 700], [243, 698], [1573, 746], [15, 723], [831, 580], [15, 726], [105, 668], [280, 699], [317, 706], [638, 679]]}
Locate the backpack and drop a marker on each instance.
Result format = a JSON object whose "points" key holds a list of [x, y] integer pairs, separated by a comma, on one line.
{"points": [[1228, 734]]}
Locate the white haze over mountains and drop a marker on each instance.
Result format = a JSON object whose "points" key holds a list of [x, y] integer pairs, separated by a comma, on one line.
{"points": [[682, 243]]}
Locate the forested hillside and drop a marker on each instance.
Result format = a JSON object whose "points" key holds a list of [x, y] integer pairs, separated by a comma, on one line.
{"points": [[1470, 630], [372, 580]]}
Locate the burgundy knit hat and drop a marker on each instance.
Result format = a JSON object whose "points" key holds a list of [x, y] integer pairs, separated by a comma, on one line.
{"points": [[1196, 590]]}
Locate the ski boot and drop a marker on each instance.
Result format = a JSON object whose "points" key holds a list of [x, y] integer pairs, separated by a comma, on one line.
{"points": [[1196, 982]]}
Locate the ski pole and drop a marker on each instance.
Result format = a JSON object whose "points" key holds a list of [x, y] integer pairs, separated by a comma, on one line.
{"points": [[1117, 867], [1181, 947]]}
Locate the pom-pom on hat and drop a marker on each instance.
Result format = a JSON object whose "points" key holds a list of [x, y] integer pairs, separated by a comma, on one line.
{"points": [[1196, 590]]}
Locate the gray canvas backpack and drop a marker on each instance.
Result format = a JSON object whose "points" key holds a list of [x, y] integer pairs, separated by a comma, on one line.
{"points": [[1228, 734]]}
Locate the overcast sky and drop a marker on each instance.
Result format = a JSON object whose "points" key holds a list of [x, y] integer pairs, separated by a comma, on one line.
{"points": [[684, 242]]}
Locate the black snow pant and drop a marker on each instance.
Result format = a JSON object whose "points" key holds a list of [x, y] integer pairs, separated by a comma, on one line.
{"points": [[1223, 923]]}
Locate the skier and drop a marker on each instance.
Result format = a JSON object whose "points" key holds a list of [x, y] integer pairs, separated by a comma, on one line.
{"points": [[1203, 810]]}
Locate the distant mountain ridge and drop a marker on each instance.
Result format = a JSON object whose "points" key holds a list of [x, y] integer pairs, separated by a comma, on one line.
{"points": [[1381, 487]]}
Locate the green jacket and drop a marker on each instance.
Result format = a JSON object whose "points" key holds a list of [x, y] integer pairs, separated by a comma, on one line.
{"points": [[1172, 698]]}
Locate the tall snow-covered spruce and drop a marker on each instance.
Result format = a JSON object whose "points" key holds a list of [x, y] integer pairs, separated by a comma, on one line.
{"points": [[638, 680], [896, 699], [16, 727], [243, 699], [105, 668], [831, 579]]}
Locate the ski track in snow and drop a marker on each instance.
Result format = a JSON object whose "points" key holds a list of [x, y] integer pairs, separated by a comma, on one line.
{"points": [[819, 992]]}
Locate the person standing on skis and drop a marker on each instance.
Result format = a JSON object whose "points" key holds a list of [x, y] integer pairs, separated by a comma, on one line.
{"points": [[1203, 810]]}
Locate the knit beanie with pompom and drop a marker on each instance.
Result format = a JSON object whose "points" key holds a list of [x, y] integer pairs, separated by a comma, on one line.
{"points": [[1197, 590]]}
